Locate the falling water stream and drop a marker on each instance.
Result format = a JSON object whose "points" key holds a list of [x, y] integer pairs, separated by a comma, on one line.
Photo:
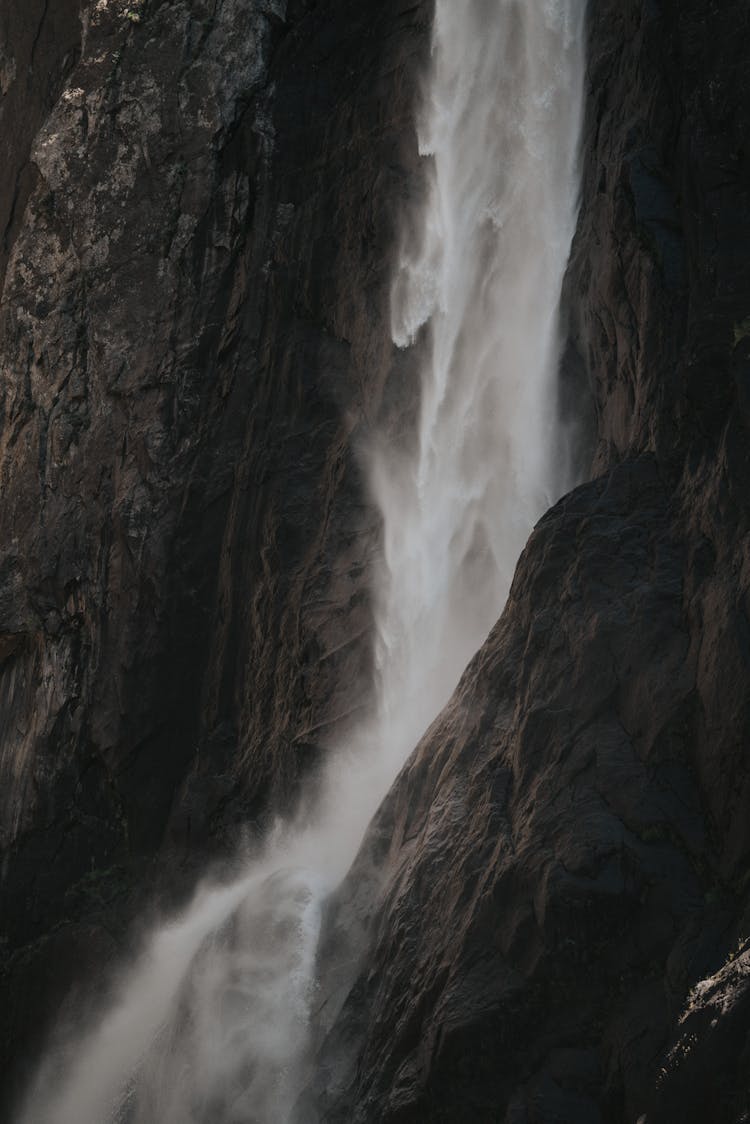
{"points": [[211, 1024]]}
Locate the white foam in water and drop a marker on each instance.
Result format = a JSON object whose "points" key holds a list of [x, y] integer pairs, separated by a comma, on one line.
{"points": [[210, 1026]]}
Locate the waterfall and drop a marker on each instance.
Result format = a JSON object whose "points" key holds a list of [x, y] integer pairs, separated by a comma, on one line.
{"points": [[210, 1025], [501, 125]]}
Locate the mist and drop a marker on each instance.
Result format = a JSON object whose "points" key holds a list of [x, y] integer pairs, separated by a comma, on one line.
{"points": [[211, 1024]]}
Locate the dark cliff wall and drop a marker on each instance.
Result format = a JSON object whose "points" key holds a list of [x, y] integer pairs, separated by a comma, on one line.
{"points": [[551, 910], [198, 204]]}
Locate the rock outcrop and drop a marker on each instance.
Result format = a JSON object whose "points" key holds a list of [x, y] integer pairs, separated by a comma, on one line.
{"points": [[198, 202], [548, 919]]}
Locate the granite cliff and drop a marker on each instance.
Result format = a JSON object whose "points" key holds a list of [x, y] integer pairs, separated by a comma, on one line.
{"points": [[548, 920], [549, 916], [197, 203]]}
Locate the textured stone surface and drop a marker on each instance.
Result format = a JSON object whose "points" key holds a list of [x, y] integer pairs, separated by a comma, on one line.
{"points": [[564, 859], [548, 919], [198, 203]]}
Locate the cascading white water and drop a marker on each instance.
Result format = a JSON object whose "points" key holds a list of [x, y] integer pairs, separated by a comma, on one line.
{"points": [[210, 1026], [501, 125]]}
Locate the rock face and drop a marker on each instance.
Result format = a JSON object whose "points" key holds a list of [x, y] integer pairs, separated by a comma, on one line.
{"points": [[198, 203], [548, 918]]}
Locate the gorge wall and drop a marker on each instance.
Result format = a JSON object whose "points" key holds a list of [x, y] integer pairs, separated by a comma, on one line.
{"points": [[198, 202], [548, 919], [553, 901]]}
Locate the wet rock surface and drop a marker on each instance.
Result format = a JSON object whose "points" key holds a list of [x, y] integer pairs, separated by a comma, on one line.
{"points": [[547, 920], [199, 204]]}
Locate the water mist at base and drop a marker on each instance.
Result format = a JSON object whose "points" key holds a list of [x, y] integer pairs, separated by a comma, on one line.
{"points": [[210, 1026]]}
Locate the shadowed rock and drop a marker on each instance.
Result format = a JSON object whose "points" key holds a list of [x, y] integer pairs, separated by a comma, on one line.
{"points": [[565, 856], [199, 203]]}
